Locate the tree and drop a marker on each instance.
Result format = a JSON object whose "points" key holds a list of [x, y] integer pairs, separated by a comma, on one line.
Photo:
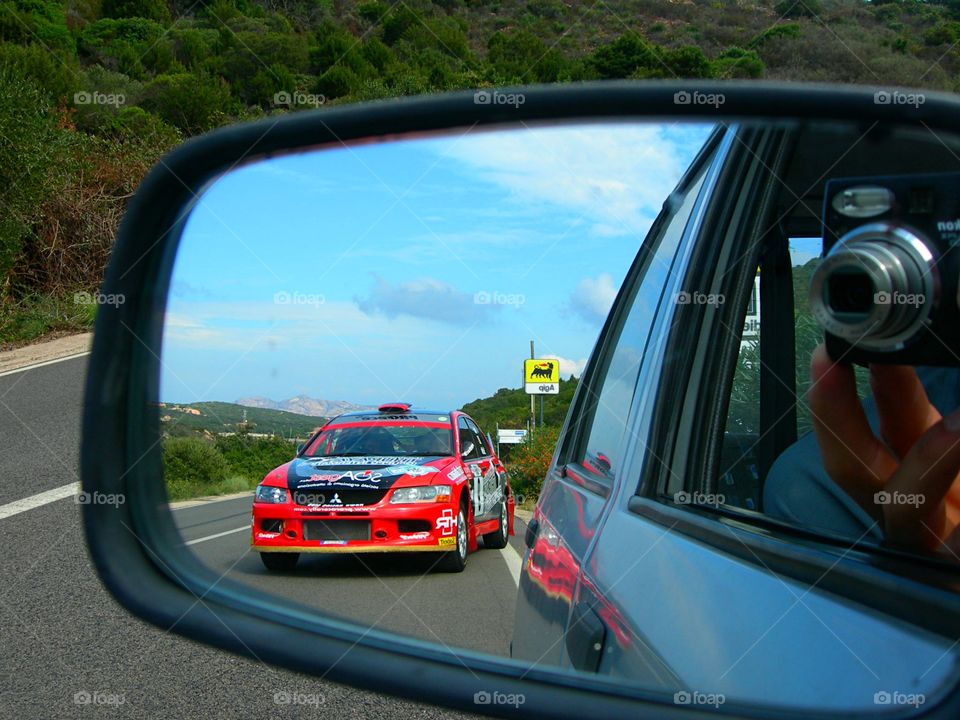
{"points": [[799, 8], [190, 102], [625, 56], [150, 9]]}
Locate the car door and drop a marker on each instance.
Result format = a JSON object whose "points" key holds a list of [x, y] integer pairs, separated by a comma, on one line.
{"points": [[473, 463], [549, 628], [677, 591], [486, 480]]}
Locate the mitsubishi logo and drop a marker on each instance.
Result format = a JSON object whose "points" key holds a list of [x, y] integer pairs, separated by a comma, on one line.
{"points": [[335, 500]]}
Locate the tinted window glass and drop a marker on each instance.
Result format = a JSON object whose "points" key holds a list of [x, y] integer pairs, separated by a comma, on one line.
{"points": [[603, 447]]}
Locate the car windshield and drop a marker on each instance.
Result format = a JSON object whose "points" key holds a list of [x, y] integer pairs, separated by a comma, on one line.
{"points": [[380, 439]]}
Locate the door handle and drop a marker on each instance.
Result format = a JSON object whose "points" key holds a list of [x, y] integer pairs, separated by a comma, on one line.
{"points": [[585, 637], [530, 536]]}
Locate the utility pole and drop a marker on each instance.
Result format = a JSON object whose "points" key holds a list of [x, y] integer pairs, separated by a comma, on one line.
{"points": [[533, 407]]}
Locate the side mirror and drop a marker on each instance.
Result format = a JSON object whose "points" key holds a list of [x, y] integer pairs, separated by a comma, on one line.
{"points": [[142, 553], [300, 448], [466, 448]]}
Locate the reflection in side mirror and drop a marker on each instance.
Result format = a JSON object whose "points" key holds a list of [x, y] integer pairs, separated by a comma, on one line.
{"points": [[437, 260]]}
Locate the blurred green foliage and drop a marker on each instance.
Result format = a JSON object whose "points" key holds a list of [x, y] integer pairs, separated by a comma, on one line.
{"points": [[95, 91]]}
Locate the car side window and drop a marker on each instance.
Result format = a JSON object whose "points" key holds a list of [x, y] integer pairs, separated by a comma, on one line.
{"points": [[794, 487], [466, 434], [602, 452], [739, 481], [480, 440]]}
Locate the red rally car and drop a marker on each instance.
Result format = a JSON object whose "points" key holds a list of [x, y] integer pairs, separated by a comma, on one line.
{"points": [[392, 480]]}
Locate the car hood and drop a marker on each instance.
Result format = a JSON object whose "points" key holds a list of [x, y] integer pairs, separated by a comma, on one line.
{"points": [[375, 472]]}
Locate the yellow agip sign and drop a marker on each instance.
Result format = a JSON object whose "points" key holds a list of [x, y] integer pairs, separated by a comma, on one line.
{"points": [[541, 376]]}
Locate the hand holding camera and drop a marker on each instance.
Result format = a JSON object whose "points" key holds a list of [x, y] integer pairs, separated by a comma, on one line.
{"points": [[886, 291]]}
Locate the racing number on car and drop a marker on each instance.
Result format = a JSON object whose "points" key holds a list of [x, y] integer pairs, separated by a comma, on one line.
{"points": [[477, 490], [484, 488]]}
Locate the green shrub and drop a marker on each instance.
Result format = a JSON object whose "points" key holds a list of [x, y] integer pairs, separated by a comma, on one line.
{"points": [[36, 21], [253, 458], [136, 47], [687, 62], [149, 9], [738, 63], [521, 56], [336, 82], [625, 56], [530, 461], [56, 75], [372, 12], [190, 102], [28, 153], [783, 30], [799, 8], [191, 466]]}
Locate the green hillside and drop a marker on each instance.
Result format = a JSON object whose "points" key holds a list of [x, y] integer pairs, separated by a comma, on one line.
{"points": [[93, 92], [218, 417], [511, 408]]}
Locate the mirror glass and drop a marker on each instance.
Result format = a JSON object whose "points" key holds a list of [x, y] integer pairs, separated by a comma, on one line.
{"points": [[372, 348], [421, 271]]}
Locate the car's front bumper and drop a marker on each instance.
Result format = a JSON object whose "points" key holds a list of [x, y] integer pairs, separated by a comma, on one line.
{"points": [[287, 527]]}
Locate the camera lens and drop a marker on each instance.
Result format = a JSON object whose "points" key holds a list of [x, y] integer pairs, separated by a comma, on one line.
{"points": [[876, 287], [850, 291]]}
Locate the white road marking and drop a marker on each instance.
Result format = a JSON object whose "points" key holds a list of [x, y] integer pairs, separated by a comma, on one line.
{"points": [[514, 562], [28, 503], [218, 535], [45, 362]]}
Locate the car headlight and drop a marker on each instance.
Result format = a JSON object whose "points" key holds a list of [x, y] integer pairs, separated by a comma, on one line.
{"points": [[266, 494], [421, 494]]}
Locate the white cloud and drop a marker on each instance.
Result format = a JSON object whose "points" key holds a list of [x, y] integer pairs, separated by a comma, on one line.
{"points": [[616, 176], [427, 298], [569, 367], [593, 297]]}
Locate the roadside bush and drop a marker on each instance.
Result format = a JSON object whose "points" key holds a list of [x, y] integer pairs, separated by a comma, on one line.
{"points": [[190, 466], [190, 102], [252, 458], [30, 144], [530, 461]]}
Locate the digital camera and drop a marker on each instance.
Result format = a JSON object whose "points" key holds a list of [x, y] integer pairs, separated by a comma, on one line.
{"points": [[886, 289]]}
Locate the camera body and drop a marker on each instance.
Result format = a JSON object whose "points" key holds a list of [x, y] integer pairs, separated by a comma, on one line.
{"points": [[886, 290]]}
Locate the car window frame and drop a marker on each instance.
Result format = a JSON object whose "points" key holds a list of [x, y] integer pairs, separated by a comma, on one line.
{"points": [[572, 443], [885, 579], [481, 441]]}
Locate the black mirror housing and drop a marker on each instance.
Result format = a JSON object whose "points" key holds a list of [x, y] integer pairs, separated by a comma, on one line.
{"points": [[136, 547]]}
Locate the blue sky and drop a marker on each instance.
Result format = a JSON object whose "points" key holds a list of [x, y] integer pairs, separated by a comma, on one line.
{"points": [[416, 270]]}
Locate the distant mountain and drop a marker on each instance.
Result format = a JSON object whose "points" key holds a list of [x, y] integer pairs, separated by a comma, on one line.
{"points": [[304, 405], [220, 417]]}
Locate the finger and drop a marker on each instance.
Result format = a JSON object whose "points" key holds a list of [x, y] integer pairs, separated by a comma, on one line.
{"points": [[913, 503], [905, 411], [951, 546], [852, 456]]}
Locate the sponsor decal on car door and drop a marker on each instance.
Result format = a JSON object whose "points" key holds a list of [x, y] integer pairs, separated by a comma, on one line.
{"points": [[485, 485]]}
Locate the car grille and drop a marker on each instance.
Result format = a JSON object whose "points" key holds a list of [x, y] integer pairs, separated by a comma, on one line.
{"points": [[346, 496], [336, 530]]}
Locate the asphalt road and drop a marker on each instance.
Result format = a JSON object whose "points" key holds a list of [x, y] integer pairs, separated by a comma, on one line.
{"points": [[398, 593], [64, 639]]}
